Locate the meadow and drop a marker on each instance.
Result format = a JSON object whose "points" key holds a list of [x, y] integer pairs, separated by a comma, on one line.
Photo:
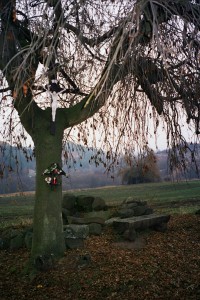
{"points": [[174, 198]]}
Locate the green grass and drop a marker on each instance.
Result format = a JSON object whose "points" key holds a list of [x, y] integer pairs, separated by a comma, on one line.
{"points": [[180, 197], [22, 221], [16, 210], [156, 193], [16, 205]]}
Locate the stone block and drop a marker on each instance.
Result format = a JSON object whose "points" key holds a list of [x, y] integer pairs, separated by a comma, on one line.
{"points": [[85, 220], [125, 213], [141, 222], [101, 215], [110, 221], [76, 231], [129, 200], [72, 243], [132, 200], [95, 229], [140, 210], [84, 203], [130, 205], [17, 242], [10, 233], [149, 211], [162, 227], [120, 227], [130, 234], [69, 201], [28, 239], [65, 213], [99, 204]]}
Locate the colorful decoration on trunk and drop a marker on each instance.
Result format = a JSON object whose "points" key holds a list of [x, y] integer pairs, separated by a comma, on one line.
{"points": [[54, 171]]}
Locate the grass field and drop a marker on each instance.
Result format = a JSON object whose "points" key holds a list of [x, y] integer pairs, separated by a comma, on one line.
{"points": [[179, 197], [156, 193]]}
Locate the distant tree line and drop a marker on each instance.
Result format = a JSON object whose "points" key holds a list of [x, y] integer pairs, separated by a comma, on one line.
{"points": [[17, 169]]}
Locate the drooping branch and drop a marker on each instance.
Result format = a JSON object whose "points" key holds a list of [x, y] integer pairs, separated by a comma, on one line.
{"points": [[186, 9], [91, 41], [57, 5], [123, 57], [153, 12], [158, 12], [93, 102], [85, 109], [18, 66]]}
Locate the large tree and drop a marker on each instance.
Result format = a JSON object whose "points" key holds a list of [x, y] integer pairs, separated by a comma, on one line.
{"points": [[127, 62]]}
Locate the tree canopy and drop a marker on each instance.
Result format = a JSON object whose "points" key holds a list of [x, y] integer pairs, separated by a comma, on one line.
{"points": [[136, 60], [142, 170]]}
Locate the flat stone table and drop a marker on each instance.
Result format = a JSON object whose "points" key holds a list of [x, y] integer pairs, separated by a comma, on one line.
{"points": [[153, 221]]}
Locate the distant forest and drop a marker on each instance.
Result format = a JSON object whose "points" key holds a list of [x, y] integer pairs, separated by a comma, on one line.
{"points": [[85, 168]]}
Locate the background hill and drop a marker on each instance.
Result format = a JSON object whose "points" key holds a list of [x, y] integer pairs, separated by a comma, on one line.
{"points": [[85, 168]]}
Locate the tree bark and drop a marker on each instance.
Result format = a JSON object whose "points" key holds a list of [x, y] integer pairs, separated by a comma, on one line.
{"points": [[48, 236]]}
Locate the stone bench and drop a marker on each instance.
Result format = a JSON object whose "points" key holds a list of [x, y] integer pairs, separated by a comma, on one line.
{"points": [[128, 226]]}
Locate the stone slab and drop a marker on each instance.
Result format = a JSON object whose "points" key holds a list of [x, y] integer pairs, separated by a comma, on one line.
{"points": [[140, 222], [85, 220], [110, 221]]}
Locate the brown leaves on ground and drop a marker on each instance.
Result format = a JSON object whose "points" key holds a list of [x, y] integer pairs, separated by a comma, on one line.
{"points": [[167, 267]]}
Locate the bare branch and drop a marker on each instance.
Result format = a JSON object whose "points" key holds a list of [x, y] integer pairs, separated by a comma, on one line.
{"points": [[5, 90], [91, 41], [71, 82]]}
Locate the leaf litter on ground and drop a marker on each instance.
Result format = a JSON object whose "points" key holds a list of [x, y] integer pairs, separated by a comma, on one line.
{"points": [[166, 266]]}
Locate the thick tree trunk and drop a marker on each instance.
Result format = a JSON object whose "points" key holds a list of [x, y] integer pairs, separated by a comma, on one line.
{"points": [[47, 228]]}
